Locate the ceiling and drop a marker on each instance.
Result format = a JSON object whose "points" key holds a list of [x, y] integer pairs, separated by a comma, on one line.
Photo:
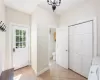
{"points": [[65, 5], [28, 6]]}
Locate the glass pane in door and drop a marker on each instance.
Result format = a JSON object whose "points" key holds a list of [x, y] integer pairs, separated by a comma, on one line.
{"points": [[20, 38]]}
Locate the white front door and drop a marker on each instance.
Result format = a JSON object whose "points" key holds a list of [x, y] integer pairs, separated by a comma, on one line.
{"points": [[20, 49], [62, 47]]}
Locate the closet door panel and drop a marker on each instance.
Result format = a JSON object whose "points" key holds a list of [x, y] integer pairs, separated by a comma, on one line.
{"points": [[77, 63], [81, 48], [86, 45], [86, 63], [72, 61], [74, 50], [85, 28], [86, 53], [71, 49], [77, 52]]}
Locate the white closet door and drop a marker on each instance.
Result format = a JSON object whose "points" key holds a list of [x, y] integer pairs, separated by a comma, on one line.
{"points": [[80, 48], [86, 53], [74, 48]]}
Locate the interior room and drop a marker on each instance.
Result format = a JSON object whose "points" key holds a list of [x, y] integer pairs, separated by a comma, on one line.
{"points": [[52, 45], [49, 40]]}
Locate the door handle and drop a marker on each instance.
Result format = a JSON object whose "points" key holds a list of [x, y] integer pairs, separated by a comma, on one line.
{"points": [[13, 49], [16, 47], [66, 50]]}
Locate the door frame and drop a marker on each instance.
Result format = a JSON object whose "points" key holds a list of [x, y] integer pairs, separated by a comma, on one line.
{"points": [[94, 32], [10, 44]]}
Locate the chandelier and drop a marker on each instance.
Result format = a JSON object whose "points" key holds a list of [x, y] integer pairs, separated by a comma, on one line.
{"points": [[54, 3]]}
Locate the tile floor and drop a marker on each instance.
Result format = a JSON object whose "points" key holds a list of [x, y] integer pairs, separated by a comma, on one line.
{"points": [[55, 73]]}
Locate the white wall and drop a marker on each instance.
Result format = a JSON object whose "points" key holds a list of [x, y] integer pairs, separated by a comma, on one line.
{"points": [[2, 37], [43, 19], [42, 47], [17, 17], [34, 44], [88, 10], [52, 42]]}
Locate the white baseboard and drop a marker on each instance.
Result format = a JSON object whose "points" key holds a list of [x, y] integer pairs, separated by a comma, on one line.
{"points": [[42, 71]]}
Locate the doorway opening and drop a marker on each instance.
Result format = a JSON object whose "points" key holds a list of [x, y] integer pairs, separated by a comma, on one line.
{"points": [[52, 46]]}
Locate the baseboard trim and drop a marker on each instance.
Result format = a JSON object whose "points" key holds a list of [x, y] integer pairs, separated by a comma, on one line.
{"points": [[42, 71]]}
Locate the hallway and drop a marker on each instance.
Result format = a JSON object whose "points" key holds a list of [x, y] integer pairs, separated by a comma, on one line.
{"points": [[55, 73]]}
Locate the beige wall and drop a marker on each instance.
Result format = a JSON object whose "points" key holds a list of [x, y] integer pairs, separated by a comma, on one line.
{"points": [[88, 10], [43, 20], [14, 16], [2, 37], [17, 17]]}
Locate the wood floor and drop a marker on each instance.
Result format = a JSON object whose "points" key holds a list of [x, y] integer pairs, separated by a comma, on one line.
{"points": [[55, 73]]}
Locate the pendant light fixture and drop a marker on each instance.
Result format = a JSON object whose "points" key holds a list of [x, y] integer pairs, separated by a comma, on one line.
{"points": [[54, 3]]}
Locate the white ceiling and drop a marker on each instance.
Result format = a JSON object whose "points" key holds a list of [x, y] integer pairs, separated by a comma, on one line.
{"points": [[65, 5], [28, 6]]}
